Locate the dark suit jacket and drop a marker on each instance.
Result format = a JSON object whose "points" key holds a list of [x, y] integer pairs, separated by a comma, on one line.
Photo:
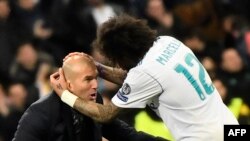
{"points": [[49, 119]]}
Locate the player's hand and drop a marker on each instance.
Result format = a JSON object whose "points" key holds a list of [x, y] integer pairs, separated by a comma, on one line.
{"points": [[81, 54], [58, 82], [75, 53]]}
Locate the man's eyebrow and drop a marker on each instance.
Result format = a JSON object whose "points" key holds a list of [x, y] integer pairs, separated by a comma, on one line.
{"points": [[90, 77]]}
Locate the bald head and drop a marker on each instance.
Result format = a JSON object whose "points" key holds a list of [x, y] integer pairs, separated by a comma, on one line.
{"points": [[76, 63]]}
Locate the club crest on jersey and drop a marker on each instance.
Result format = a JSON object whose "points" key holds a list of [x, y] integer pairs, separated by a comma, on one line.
{"points": [[122, 97], [126, 89]]}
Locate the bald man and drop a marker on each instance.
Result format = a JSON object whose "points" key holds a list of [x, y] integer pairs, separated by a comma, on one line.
{"points": [[81, 75], [49, 119]]}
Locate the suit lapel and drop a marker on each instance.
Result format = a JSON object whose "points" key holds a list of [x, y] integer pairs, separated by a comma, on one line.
{"points": [[68, 120]]}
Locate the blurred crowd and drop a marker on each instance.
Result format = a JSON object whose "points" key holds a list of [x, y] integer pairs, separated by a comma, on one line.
{"points": [[35, 35]]}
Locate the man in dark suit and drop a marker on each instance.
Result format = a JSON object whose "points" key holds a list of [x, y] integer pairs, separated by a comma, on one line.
{"points": [[49, 119]]}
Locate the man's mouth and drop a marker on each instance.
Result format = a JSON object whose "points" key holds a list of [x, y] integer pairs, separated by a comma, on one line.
{"points": [[93, 96]]}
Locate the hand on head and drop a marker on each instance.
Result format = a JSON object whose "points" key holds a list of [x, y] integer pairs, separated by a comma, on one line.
{"points": [[76, 53], [58, 82], [79, 54]]}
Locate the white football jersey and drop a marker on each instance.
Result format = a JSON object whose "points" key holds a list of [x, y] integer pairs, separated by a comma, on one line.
{"points": [[172, 81]]}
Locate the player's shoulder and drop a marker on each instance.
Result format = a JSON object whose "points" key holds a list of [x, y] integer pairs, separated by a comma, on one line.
{"points": [[166, 39], [139, 73]]}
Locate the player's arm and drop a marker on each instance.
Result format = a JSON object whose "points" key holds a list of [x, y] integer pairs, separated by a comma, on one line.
{"points": [[98, 112], [115, 75]]}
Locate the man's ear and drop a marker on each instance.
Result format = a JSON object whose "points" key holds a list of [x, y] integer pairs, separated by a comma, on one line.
{"points": [[69, 85]]}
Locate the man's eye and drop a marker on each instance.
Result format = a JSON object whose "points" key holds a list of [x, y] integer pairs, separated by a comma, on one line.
{"points": [[88, 79]]}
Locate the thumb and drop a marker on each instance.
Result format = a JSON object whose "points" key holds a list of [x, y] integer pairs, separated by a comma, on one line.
{"points": [[61, 73]]}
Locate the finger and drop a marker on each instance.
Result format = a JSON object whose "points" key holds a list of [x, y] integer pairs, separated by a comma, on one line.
{"points": [[96, 62], [69, 55], [54, 76], [76, 53], [65, 58], [61, 74], [73, 54]]}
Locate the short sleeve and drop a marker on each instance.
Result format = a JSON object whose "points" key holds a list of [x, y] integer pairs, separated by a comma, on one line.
{"points": [[138, 88]]}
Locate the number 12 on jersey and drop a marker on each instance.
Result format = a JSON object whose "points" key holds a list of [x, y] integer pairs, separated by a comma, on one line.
{"points": [[209, 88]]}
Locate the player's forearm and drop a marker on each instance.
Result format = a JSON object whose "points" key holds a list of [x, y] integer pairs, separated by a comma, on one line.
{"points": [[114, 75], [98, 112]]}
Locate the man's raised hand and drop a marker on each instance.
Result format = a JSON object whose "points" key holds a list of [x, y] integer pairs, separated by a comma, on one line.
{"points": [[58, 82]]}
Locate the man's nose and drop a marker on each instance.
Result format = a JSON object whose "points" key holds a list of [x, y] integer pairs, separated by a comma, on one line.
{"points": [[94, 83]]}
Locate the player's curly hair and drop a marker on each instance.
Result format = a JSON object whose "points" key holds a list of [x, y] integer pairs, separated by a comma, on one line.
{"points": [[124, 40]]}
